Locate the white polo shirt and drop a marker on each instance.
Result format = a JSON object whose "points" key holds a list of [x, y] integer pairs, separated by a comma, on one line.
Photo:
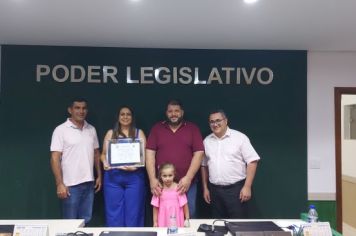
{"points": [[77, 147], [227, 157]]}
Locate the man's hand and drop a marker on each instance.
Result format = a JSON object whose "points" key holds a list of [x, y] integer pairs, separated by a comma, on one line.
{"points": [[156, 187], [206, 195], [97, 184], [62, 191], [184, 184], [245, 194]]}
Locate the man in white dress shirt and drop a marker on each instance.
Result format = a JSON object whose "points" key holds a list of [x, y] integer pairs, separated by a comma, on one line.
{"points": [[228, 169]]}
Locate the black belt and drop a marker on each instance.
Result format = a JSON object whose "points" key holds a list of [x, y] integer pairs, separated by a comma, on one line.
{"points": [[229, 185]]}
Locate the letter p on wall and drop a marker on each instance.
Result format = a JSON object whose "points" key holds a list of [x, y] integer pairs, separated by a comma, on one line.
{"points": [[41, 70]]}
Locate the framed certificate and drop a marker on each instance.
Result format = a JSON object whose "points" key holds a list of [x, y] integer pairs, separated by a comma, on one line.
{"points": [[126, 152]]}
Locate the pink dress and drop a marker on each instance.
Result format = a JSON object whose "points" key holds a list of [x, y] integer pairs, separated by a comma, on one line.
{"points": [[170, 201]]}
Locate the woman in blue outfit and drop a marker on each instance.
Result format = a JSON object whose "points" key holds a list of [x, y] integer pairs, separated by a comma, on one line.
{"points": [[124, 186]]}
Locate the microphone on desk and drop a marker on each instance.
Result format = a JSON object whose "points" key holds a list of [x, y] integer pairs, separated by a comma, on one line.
{"points": [[213, 224]]}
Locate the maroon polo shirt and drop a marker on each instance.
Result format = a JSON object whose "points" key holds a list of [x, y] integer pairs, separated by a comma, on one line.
{"points": [[178, 147]]}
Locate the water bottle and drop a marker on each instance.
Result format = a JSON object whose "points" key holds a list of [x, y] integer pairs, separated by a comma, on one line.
{"points": [[172, 227], [312, 214]]}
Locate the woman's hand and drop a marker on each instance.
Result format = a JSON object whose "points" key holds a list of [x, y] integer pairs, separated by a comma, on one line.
{"points": [[127, 168], [106, 165]]}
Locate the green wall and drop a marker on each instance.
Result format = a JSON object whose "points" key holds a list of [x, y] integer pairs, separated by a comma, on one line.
{"points": [[273, 115], [326, 211]]}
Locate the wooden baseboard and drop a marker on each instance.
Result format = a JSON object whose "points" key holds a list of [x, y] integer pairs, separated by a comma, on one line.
{"points": [[322, 196]]}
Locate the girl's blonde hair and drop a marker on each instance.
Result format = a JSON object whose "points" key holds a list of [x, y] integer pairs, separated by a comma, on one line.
{"points": [[166, 166]]}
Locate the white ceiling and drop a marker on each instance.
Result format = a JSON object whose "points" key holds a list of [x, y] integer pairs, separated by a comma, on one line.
{"points": [[220, 24]]}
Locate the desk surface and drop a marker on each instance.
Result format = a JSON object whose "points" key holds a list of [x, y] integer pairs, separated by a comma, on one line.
{"points": [[192, 230], [70, 226], [54, 226]]}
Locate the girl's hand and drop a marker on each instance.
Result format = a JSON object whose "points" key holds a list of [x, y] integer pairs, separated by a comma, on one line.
{"points": [[186, 223]]}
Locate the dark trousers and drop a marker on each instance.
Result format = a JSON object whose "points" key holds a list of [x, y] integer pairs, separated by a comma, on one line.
{"points": [[226, 203]]}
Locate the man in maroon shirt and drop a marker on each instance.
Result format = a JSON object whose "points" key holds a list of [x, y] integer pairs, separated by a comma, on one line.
{"points": [[179, 142]]}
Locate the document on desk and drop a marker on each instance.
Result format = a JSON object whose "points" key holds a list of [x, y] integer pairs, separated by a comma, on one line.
{"points": [[317, 229], [30, 230]]}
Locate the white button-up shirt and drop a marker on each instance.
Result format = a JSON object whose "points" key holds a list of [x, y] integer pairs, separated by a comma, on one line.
{"points": [[227, 157]]}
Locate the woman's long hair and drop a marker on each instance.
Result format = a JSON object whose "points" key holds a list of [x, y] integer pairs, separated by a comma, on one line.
{"points": [[117, 130]]}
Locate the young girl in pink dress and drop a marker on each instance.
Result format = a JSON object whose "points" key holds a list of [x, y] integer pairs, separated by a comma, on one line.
{"points": [[170, 202]]}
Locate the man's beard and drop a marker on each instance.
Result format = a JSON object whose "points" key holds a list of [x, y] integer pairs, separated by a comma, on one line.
{"points": [[175, 123]]}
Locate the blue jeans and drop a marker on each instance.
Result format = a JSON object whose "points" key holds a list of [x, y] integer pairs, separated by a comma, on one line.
{"points": [[192, 198], [79, 205]]}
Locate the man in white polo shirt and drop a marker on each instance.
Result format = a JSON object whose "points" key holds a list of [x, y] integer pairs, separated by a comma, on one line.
{"points": [[74, 154], [230, 165]]}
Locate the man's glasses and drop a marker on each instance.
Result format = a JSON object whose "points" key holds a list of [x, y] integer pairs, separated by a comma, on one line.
{"points": [[215, 122]]}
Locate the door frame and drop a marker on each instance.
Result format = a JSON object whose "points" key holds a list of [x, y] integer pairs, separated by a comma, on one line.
{"points": [[338, 92]]}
